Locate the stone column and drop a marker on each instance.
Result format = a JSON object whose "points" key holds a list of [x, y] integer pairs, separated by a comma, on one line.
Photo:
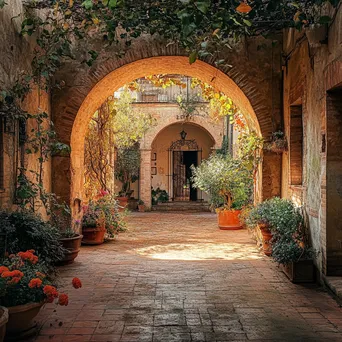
{"points": [[145, 181]]}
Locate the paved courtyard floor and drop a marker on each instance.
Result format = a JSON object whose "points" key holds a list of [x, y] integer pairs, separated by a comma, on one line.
{"points": [[177, 277]]}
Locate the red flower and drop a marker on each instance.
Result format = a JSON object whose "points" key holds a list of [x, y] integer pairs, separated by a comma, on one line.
{"points": [[63, 299], [14, 280], [12, 274], [3, 269], [76, 283], [28, 255], [40, 275], [35, 282], [50, 292]]}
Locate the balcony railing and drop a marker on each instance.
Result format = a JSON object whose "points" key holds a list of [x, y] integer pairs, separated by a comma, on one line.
{"points": [[149, 93]]}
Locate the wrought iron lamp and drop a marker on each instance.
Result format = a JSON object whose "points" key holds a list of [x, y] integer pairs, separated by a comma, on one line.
{"points": [[183, 134]]}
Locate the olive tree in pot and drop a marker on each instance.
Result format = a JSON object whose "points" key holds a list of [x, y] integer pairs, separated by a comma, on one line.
{"points": [[229, 184], [127, 166]]}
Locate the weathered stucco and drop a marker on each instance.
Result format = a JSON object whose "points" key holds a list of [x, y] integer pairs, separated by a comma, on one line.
{"points": [[16, 54]]}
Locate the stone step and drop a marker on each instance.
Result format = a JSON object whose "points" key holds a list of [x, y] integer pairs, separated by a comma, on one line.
{"points": [[182, 206]]}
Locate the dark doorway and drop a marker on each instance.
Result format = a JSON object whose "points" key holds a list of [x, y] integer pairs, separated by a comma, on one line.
{"points": [[182, 184]]}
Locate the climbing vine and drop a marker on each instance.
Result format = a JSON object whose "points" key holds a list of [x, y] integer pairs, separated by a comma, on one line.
{"points": [[115, 125]]}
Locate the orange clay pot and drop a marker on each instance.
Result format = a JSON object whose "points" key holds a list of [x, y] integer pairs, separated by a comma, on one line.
{"points": [[93, 235], [229, 219], [20, 322], [123, 201], [266, 238], [72, 246]]}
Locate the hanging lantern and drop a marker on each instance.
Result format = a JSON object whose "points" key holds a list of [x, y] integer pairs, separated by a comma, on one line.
{"points": [[244, 7], [183, 134]]}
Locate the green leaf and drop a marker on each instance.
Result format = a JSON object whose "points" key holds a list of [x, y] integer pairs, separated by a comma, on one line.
{"points": [[203, 6], [2, 3], [247, 22], [87, 4], [325, 19], [113, 3], [193, 57]]}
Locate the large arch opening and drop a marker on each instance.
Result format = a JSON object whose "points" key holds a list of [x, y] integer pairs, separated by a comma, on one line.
{"points": [[127, 73]]}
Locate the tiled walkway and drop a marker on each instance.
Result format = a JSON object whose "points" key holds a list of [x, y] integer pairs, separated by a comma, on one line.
{"points": [[177, 277]]}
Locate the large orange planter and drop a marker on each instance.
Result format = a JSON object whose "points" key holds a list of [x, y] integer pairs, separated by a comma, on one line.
{"points": [[93, 235], [20, 323], [266, 239], [229, 219]]}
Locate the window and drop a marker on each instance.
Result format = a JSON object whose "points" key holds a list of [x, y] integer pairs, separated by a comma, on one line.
{"points": [[296, 145]]}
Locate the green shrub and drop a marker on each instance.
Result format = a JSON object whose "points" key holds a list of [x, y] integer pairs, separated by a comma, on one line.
{"points": [[24, 231], [290, 238], [279, 214]]}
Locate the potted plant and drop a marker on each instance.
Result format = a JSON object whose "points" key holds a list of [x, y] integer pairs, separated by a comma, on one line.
{"points": [[278, 143], [284, 237], [3, 322], [25, 230], [102, 219], [230, 185], [113, 217], [70, 236], [141, 206], [261, 219], [159, 196], [24, 289], [93, 225], [127, 166]]}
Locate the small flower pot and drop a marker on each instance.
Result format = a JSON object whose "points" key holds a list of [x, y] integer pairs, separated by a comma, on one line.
{"points": [[266, 238], [3, 322], [141, 208], [123, 201], [229, 219], [21, 322], [72, 245], [301, 271], [93, 235]]}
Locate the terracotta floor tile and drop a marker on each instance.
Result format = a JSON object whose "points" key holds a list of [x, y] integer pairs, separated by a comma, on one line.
{"points": [[177, 277]]}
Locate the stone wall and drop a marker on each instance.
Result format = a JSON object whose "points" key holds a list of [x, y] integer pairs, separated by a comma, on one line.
{"points": [[311, 70], [16, 54]]}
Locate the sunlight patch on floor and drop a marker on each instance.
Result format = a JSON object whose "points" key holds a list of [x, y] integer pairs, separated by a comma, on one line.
{"points": [[200, 251]]}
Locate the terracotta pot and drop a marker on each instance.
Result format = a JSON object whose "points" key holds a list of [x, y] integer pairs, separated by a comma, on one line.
{"points": [[93, 235], [20, 323], [266, 238], [72, 245], [3, 322], [229, 219], [123, 201], [141, 208]]}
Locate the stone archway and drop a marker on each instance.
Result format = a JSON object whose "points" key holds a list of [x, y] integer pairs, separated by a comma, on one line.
{"points": [[212, 131], [257, 116]]}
